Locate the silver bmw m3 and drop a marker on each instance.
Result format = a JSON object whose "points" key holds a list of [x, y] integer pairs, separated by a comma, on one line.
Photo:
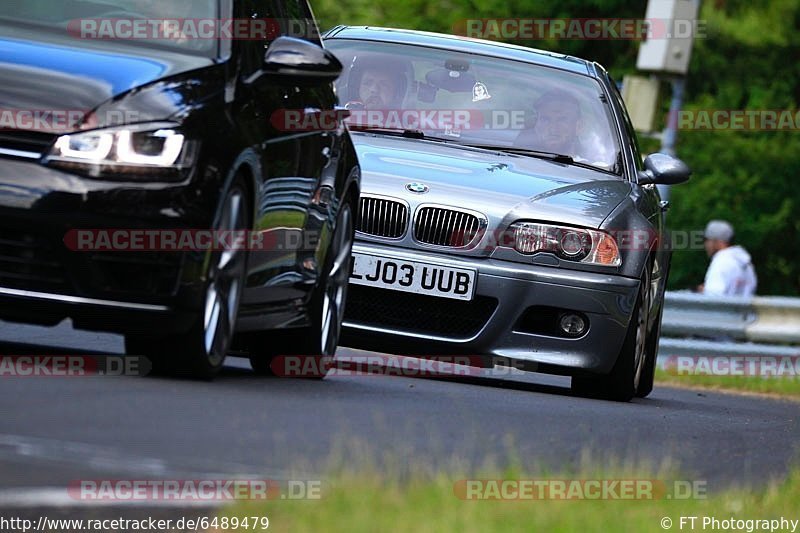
{"points": [[506, 211]]}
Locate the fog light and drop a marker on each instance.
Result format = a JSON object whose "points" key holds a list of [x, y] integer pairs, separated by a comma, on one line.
{"points": [[572, 324]]}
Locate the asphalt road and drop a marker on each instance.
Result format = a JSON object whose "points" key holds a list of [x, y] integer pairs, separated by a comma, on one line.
{"points": [[57, 430]]}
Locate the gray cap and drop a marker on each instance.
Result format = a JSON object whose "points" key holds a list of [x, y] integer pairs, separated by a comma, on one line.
{"points": [[719, 230]]}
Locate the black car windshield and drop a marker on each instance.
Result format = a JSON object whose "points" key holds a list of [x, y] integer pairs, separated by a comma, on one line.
{"points": [[172, 24], [477, 100]]}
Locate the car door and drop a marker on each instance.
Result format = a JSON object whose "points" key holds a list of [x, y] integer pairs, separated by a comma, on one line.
{"points": [[285, 179], [322, 140]]}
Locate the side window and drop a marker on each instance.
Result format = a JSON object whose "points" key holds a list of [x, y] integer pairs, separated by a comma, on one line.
{"points": [[631, 132], [298, 21], [253, 51]]}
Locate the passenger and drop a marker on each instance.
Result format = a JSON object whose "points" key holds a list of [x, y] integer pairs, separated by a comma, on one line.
{"points": [[557, 127], [560, 129]]}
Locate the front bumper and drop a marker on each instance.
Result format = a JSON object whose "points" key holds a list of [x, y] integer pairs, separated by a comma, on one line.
{"points": [[506, 292], [43, 281]]}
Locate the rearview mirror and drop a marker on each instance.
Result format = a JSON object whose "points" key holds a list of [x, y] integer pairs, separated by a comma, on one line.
{"points": [[451, 80], [663, 169], [292, 60]]}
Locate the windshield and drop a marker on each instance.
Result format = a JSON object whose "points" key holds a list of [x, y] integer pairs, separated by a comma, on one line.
{"points": [[476, 100], [168, 24]]}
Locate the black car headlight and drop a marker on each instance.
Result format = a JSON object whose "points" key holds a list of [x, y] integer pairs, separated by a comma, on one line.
{"points": [[571, 244], [141, 152]]}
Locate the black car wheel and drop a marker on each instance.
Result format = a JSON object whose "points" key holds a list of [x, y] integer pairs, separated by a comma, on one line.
{"points": [[629, 372], [326, 311], [201, 351]]}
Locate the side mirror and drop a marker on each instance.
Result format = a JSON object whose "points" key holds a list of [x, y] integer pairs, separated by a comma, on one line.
{"points": [[663, 169], [297, 61]]}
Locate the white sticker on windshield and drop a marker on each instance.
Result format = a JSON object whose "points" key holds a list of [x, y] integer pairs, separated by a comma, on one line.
{"points": [[450, 131], [480, 92]]}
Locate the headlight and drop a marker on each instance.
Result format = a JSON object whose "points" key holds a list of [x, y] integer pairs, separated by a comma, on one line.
{"points": [[571, 244], [142, 152]]}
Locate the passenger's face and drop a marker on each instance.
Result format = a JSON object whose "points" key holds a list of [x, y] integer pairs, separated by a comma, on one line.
{"points": [[557, 128], [377, 90], [713, 246]]}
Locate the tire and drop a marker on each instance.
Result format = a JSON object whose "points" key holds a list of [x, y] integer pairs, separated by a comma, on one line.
{"points": [[200, 352], [649, 372], [625, 379], [326, 310], [648, 376]]}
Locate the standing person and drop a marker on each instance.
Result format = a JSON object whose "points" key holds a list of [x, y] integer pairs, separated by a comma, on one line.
{"points": [[731, 272]]}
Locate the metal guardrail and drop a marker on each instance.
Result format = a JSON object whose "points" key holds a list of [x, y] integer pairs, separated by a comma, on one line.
{"points": [[699, 325]]}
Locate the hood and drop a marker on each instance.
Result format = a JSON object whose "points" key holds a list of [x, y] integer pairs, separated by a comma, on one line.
{"points": [[502, 186], [77, 76]]}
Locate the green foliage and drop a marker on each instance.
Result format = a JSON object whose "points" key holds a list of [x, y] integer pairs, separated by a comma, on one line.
{"points": [[748, 59]]}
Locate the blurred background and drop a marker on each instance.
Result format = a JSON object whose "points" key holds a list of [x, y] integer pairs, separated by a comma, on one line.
{"points": [[747, 59]]}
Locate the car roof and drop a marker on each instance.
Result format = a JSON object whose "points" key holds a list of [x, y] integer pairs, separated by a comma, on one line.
{"points": [[466, 44]]}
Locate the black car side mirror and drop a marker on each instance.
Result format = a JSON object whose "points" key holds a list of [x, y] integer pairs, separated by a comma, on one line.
{"points": [[663, 169], [297, 61]]}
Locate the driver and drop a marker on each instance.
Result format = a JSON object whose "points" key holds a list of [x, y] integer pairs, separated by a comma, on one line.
{"points": [[377, 84]]}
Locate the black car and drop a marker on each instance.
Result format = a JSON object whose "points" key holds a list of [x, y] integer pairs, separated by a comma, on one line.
{"points": [[173, 135]]}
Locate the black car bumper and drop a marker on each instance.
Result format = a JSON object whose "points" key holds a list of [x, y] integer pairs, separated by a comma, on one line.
{"points": [[43, 281]]}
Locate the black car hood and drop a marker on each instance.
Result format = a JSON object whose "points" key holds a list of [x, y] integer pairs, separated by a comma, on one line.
{"points": [[72, 75]]}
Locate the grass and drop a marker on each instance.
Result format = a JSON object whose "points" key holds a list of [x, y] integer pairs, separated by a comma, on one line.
{"points": [[354, 502], [788, 387]]}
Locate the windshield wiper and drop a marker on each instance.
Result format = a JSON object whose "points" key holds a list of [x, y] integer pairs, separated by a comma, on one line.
{"points": [[550, 156], [411, 134], [408, 133]]}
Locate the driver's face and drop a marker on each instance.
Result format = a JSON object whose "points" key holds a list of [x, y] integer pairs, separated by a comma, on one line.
{"points": [[377, 90], [557, 128]]}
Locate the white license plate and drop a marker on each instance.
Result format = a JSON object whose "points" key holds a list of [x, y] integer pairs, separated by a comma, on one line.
{"points": [[410, 276]]}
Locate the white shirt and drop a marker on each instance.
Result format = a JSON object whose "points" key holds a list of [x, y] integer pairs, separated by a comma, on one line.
{"points": [[731, 273]]}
